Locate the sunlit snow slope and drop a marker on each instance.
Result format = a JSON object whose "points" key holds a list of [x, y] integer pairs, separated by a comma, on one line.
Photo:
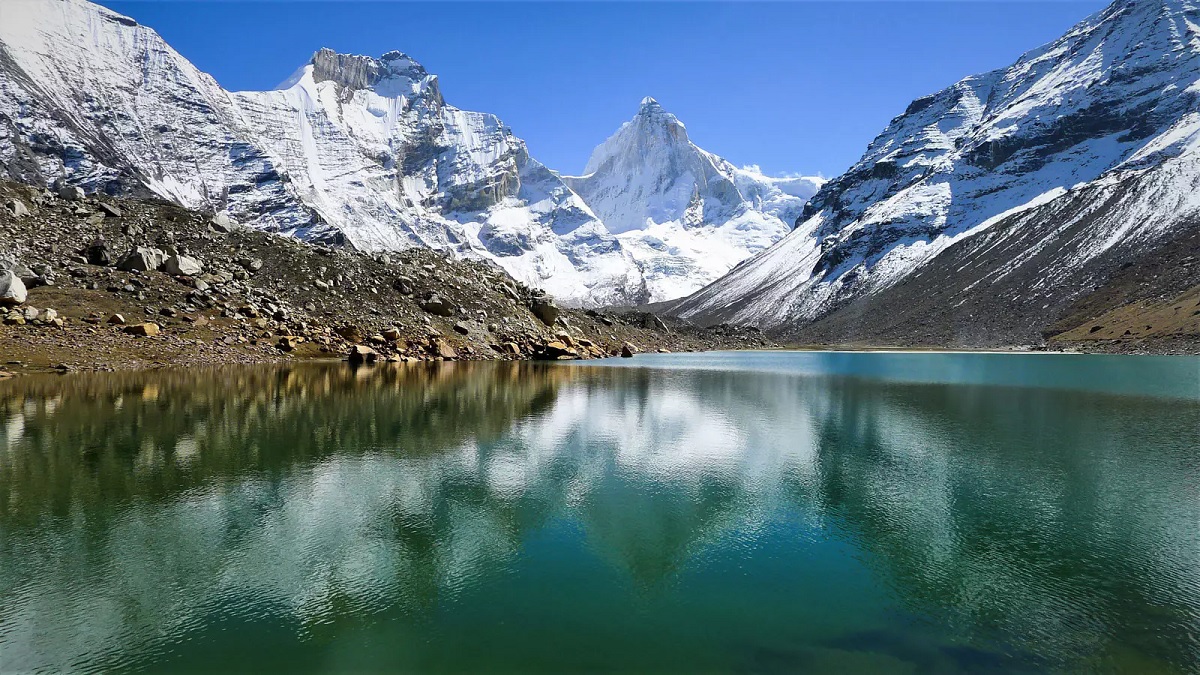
{"points": [[685, 214], [351, 148], [1026, 185]]}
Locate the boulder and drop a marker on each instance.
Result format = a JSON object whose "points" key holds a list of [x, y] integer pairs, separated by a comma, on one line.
{"points": [[142, 259], [628, 350], [148, 329], [110, 210], [403, 285], [362, 354], [71, 193], [435, 304], [251, 264], [288, 342], [544, 309], [17, 208], [47, 315], [444, 350], [12, 289], [559, 350], [98, 254], [461, 328], [23, 272], [221, 222], [116, 319], [183, 265], [392, 334]]}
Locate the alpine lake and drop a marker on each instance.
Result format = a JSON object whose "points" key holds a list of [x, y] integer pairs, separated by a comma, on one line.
{"points": [[741, 512]]}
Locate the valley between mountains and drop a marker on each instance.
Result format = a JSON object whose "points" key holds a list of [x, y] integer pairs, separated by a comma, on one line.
{"points": [[1050, 204]]}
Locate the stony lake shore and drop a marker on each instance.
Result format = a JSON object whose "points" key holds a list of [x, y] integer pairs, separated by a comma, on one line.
{"points": [[95, 283]]}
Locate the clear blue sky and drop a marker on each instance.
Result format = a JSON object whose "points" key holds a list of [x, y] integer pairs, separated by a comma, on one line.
{"points": [[792, 87]]}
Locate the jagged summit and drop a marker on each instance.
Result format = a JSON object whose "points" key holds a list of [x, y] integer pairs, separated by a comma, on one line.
{"points": [[650, 107], [364, 72], [686, 214], [391, 75]]}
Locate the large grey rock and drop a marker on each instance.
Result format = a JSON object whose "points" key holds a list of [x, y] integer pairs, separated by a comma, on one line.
{"points": [[221, 222], [544, 309], [71, 193], [17, 208], [183, 265], [12, 289], [436, 304], [142, 259]]}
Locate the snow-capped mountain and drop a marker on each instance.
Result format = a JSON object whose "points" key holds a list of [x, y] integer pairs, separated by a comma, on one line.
{"points": [[685, 214], [1027, 186], [350, 148]]}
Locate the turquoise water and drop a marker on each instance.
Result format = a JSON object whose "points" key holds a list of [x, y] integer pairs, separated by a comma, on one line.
{"points": [[740, 512]]}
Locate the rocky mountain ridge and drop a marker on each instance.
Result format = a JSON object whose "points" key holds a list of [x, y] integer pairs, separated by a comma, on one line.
{"points": [[1009, 195], [350, 150]]}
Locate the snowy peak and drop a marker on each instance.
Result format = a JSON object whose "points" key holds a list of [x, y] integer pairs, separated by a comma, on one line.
{"points": [[686, 214], [641, 141], [653, 115], [1110, 104]]}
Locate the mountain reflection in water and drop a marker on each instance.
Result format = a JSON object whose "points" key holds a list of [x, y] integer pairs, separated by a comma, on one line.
{"points": [[526, 517]]}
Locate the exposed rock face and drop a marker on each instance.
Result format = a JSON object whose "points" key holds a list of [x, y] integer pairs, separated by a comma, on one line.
{"points": [[685, 214], [351, 149], [1084, 149]]}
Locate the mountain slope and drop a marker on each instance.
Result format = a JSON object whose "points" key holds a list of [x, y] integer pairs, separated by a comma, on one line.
{"points": [[1024, 187], [686, 215], [352, 149]]}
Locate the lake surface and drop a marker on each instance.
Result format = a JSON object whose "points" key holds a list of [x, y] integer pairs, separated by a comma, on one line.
{"points": [[752, 512]]}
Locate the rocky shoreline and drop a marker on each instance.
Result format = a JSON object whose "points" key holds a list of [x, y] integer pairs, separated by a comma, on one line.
{"points": [[96, 283]]}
